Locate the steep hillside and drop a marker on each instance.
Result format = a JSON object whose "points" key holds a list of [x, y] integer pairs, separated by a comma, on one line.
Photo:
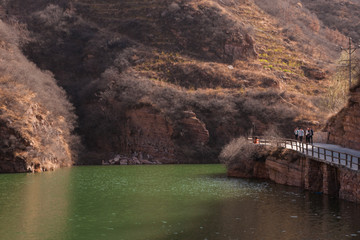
{"points": [[36, 120], [173, 81], [344, 127], [341, 15]]}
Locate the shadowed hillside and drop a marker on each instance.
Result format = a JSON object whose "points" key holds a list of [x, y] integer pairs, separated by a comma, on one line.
{"points": [[173, 81], [340, 15]]}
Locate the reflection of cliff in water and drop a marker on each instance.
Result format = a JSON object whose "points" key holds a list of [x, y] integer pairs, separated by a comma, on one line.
{"points": [[290, 213], [165, 202], [139, 202], [38, 207]]}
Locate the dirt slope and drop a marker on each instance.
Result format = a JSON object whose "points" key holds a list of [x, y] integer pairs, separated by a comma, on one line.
{"points": [[198, 72]]}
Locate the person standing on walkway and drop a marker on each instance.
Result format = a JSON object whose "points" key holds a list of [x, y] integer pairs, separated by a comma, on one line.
{"points": [[301, 134], [296, 133], [307, 135], [311, 133]]}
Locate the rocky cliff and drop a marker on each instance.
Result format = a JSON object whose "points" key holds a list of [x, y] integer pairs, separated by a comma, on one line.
{"points": [[344, 127], [174, 80], [288, 167], [167, 144], [35, 117]]}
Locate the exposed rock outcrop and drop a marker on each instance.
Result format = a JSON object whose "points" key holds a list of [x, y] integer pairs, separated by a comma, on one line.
{"points": [[344, 127], [112, 56], [125, 160], [281, 166], [141, 137], [147, 136], [31, 144], [193, 129], [288, 167], [350, 185], [314, 73], [162, 145], [36, 119]]}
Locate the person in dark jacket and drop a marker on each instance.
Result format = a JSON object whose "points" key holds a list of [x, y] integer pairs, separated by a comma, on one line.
{"points": [[311, 133], [296, 133]]}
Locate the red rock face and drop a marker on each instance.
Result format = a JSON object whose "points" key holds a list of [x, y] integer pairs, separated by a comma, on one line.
{"points": [[344, 128], [195, 129], [314, 73], [284, 172], [255, 170], [150, 135], [290, 168], [350, 185], [8, 161]]}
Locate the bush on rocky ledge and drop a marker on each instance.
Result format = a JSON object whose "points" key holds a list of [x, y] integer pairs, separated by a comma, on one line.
{"points": [[241, 154]]}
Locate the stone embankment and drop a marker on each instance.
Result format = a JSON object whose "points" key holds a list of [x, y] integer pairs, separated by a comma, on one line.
{"points": [[290, 168]]}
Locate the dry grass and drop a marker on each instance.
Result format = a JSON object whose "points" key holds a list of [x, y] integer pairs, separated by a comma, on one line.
{"points": [[119, 55], [32, 105]]}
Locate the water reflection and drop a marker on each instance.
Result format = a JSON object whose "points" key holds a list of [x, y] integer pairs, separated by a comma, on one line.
{"points": [[33, 206], [165, 202]]}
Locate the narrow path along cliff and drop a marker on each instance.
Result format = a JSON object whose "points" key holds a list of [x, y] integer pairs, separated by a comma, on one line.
{"points": [[321, 168], [330, 153]]}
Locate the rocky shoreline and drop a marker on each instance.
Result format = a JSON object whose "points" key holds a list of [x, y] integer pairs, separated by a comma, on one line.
{"points": [[290, 168], [138, 159]]}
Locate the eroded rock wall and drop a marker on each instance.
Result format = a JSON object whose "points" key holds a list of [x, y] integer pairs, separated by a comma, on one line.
{"points": [[141, 138], [36, 119], [344, 127], [145, 135], [31, 144], [290, 168], [349, 185]]}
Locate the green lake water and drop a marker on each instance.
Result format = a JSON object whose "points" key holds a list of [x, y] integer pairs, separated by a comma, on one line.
{"points": [[165, 202]]}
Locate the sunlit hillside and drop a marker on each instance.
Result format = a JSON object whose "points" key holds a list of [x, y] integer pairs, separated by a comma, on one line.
{"points": [[36, 119], [174, 81]]}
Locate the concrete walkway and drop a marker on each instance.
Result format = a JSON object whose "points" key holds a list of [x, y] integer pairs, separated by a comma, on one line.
{"points": [[338, 148], [330, 153]]}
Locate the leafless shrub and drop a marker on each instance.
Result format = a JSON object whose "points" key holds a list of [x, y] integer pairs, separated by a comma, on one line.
{"points": [[237, 151], [54, 16], [269, 106], [242, 155], [273, 133]]}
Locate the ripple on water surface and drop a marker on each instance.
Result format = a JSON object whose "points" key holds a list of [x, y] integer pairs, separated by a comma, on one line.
{"points": [[165, 202]]}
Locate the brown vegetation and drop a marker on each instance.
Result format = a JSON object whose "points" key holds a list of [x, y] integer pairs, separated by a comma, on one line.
{"points": [[222, 66], [339, 15], [244, 158], [36, 119], [343, 127]]}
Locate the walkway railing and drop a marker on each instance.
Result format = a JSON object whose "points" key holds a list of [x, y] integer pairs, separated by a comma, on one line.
{"points": [[313, 151]]}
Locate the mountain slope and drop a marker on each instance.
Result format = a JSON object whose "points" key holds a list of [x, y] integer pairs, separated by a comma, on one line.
{"points": [[173, 81], [36, 120]]}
